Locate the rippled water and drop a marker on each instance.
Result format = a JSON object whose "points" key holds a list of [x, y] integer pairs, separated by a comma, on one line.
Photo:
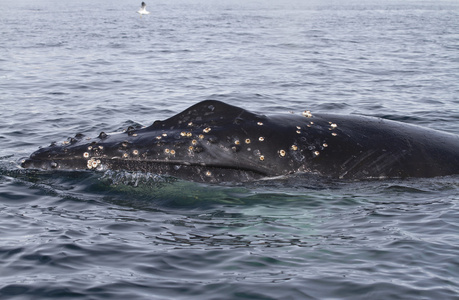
{"points": [[88, 66]]}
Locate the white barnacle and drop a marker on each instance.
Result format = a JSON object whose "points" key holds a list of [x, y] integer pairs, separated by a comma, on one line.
{"points": [[164, 134], [298, 131], [89, 164], [89, 148], [316, 153], [325, 145], [261, 138], [247, 141], [298, 127], [201, 136], [260, 123], [101, 147], [334, 134], [65, 142], [167, 151], [208, 173], [194, 142], [206, 130], [86, 155], [189, 134], [173, 152], [183, 133], [94, 163], [262, 157], [237, 142], [135, 152], [190, 124], [333, 125], [125, 155], [294, 147], [307, 114], [158, 137], [282, 153]]}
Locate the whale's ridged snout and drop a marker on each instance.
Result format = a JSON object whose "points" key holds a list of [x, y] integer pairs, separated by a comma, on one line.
{"points": [[52, 158]]}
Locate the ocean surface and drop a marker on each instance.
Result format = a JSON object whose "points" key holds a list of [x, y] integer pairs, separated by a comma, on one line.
{"points": [[70, 67]]}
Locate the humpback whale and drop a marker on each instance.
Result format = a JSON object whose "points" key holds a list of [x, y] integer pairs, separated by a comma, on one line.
{"points": [[215, 142]]}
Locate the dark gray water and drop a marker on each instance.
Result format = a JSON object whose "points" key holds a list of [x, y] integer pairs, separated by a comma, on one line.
{"points": [[88, 66]]}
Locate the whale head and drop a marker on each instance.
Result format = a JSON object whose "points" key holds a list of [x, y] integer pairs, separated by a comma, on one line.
{"points": [[210, 141]]}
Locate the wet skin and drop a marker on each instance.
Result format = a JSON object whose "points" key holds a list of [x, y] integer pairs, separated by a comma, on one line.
{"points": [[216, 142]]}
